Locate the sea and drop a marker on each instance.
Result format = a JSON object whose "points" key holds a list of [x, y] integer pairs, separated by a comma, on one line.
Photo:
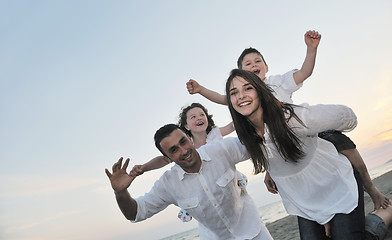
{"points": [[275, 211]]}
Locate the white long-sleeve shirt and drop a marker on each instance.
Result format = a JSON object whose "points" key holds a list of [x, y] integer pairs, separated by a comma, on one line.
{"points": [[322, 184], [283, 86], [211, 196]]}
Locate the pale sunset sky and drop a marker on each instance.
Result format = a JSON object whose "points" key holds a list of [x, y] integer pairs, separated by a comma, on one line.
{"points": [[83, 83]]}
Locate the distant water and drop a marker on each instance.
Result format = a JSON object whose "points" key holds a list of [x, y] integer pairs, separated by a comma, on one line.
{"points": [[380, 170], [275, 211], [188, 235]]}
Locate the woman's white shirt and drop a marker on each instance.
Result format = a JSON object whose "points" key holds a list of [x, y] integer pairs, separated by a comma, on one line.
{"points": [[322, 184]]}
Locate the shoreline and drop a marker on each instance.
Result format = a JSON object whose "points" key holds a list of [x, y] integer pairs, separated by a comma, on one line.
{"points": [[287, 227]]}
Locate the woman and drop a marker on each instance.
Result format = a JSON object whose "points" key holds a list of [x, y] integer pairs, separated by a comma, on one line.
{"points": [[315, 182]]}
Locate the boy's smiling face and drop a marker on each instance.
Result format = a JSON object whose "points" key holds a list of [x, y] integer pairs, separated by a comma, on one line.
{"points": [[254, 63]]}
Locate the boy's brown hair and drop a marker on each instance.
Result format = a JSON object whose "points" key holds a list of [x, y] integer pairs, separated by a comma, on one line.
{"points": [[246, 52]]}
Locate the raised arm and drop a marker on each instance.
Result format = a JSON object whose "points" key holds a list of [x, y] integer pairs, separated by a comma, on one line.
{"points": [[312, 40], [226, 130], [120, 182], [194, 87]]}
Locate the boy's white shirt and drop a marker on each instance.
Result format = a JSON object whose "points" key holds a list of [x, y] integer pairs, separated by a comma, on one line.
{"points": [[283, 86]]}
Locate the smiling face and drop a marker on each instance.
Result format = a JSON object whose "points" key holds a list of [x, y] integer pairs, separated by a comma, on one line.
{"points": [[178, 147], [253, 62], [184, 118], [244, 98], [196, 120]]}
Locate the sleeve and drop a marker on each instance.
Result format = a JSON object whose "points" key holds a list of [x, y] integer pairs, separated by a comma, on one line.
{"points": [[236, 151], [288, 82], [322, 117], [214, 134], [153, 202], [284, 86]]}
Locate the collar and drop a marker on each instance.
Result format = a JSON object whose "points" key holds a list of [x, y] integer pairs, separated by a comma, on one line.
{"points": [[181, 173]]}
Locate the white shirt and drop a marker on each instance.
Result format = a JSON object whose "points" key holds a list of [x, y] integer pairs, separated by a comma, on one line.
{"points": [[211, 196], [322, 184], [283, 86], [214, 134]]}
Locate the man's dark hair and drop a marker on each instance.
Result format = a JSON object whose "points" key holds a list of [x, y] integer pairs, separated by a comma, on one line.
{"points": [[163, 132]]}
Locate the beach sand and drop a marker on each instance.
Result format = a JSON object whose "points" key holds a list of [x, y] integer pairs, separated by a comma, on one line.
{"points": [[287, 228]]}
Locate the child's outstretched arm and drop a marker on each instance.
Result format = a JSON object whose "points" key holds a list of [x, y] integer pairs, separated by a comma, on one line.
{"points": [[312, 40], [194, 87], [155, 163], [226, 130]]}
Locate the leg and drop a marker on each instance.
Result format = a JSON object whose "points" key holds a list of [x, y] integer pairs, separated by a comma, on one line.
{"points": [[385, 215], [345, 146], [360, 214], [379, 199], [338, 139], [310, 230], [377, 223], [350, 226]]}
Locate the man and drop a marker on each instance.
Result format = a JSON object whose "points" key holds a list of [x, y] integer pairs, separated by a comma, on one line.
{"points": [[202, 182]]}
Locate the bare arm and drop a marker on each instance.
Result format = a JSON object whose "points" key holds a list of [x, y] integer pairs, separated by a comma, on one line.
{"points": [[312, 40], [127, 204], [120, 182], [155, 163], [270, 184], [379, 199], [226, 130], [194, 87]]}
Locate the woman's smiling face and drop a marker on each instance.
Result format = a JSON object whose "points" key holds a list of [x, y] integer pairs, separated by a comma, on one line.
{"points": [[244, 98]]}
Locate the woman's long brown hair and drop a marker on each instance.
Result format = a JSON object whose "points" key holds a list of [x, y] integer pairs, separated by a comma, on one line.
{"points": [[274, 116]]}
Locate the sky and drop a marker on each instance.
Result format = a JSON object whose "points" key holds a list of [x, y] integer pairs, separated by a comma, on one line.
{"points": [[83, 83]]}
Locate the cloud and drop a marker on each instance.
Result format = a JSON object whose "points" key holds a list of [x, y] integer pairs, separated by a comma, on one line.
{"points": [[384, 132], [384, 136]]}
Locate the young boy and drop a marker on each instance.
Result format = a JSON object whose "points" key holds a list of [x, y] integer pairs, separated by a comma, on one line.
{"points": [[283, 86]]}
